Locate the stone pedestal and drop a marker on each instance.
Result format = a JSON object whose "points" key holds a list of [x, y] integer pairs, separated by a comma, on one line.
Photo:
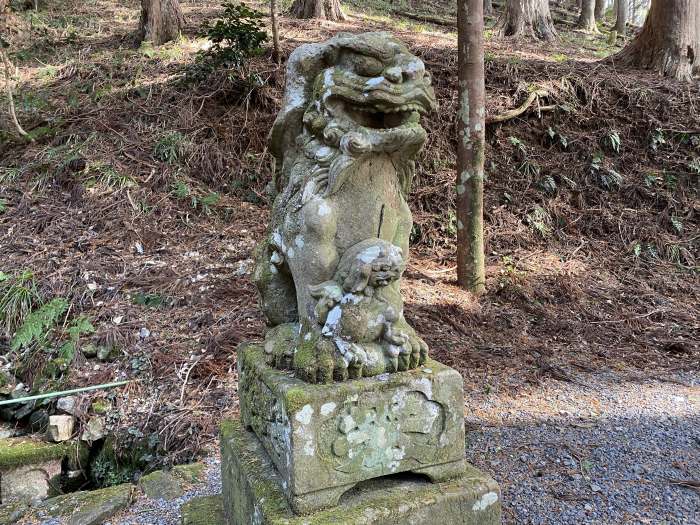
{"points": [[253, 493], [390, 448]]}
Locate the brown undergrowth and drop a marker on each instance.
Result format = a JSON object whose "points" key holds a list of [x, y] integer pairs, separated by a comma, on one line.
{"points": [[143, 197]]}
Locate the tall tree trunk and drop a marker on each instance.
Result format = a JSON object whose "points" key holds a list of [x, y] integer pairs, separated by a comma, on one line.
{"points": [[527, 17], [275, 32], [470, 146], [488, 7], [586, 20], [622, 13], [161, 21], [669, 42], [600, 9], [323, 9]]}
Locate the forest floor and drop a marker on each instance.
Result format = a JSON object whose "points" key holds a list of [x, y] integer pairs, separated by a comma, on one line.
{"points": [[142, 197]]}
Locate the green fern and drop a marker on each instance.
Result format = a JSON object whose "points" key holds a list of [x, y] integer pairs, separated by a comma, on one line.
{"points": [[18, 297], [79, 326], [39, 323]]}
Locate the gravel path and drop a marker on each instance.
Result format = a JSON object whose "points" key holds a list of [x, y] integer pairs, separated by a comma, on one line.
{"points": [[609, 452], [602, 450]]}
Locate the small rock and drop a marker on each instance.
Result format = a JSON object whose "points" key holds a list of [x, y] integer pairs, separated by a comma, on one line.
{"points": [[39, 420], [94, 430], [67, 405], [60, 428], [89, 350], [161, 485], [105, 353], [588, 507], [595, 487], [144, 333]]}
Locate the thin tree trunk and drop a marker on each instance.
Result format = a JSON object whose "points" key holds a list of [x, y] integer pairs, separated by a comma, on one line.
{"points": [[586, 20], [669, 42], [9, 73], [600, 9], [471, 146], [488, 7], [527, 17], [622, 14], [275, 32], [323, 9], [161, 21]]}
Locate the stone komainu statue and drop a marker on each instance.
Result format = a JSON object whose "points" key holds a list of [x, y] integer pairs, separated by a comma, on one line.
{"points": [[329, 268]]}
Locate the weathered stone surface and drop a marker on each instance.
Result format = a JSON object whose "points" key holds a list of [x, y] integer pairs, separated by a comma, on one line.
{"points": [[252, 493], [94, 430], [190, 473], [329, 267], [323, 439], [10, 513], [161, 485], [60, 428], [27, 465], [205, 510], [29, 483], [86, 508], [68, 405]]}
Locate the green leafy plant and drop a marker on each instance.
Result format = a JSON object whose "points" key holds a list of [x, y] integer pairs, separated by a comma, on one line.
{"points": [[557, 138], [539, 220], [612, 141], [3, 205], [238, 35], [18, 297], [169, 147], [606, 178], [694, 165], [518, 144], [79, 326], [105, 175], [657, 139], [38, 324], [547, 184]]}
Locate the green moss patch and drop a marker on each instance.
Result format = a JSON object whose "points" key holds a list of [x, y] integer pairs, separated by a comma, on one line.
{"points": [[206, 510], [17, 452]]}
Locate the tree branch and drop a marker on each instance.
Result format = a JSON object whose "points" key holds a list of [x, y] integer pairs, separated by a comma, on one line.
{"points": [[8, 88]]}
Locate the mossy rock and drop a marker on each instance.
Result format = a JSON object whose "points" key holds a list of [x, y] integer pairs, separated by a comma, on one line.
{"points": [[10, 513], [190, 473], [205, 510], [88, 507], [17, 452], [161, 485]]}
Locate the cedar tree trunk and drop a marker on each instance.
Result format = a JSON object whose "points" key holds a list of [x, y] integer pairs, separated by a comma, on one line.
{"points": [[622, 13], [323, 9], [471, 135], [161, 21], [669, 42], [586, 20], [527, 17], [600, 9]]}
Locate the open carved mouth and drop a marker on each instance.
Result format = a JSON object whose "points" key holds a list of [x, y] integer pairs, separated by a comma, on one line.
{"points": [[382, 117]]}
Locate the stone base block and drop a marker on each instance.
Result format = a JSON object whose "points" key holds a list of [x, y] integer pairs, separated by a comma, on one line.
{"points": [[253, 493], [324, 439]]}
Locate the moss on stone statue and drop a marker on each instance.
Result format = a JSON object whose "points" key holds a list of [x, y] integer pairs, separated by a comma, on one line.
{"points": [[471, 499], [16, 452]]}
